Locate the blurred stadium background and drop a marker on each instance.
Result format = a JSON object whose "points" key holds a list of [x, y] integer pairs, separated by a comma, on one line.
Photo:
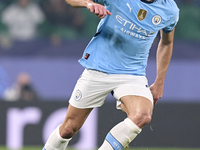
{"points": [[40, 44]]}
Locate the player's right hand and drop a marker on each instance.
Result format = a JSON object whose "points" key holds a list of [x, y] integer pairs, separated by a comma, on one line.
{"points": [[157, 91], [98, 10]]}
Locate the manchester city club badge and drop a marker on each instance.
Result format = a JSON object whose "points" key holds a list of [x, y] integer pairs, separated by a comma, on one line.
{"points": [[156, 19], [78, 95]]}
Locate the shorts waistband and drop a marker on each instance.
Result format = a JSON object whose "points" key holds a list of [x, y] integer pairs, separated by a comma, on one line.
{"points": [[96, 72]]}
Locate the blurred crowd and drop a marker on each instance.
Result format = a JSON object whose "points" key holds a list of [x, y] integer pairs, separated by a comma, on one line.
{"points": [[188, 27], [21, 90], [55, 19], [28, 19]]}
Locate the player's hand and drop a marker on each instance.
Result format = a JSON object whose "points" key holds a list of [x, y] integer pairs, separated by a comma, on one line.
{"points": [[98, 10], [157, 91]]}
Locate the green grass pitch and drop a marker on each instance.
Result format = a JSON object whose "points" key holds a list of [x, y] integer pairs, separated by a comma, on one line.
{"points": [[40, 148]]}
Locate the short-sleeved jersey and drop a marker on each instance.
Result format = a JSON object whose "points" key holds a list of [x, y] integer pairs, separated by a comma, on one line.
{"points": [[123, 39]]}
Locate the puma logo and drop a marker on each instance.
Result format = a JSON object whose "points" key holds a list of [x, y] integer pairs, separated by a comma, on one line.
{"points": [[127, 4]]}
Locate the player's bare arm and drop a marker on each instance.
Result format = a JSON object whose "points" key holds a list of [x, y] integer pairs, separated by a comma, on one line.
{"points": [[164, 53], [95, 8]]}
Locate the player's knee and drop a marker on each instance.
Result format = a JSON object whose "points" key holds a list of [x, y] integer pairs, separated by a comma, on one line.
{"points": [[67, 132], [146, 119], [141, 119]]}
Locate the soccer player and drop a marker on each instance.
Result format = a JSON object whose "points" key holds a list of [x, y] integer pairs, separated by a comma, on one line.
{"points": [[115, 62]]}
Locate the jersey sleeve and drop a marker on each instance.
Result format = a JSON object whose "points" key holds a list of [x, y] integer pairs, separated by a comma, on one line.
{"points": [[172, 23], [105, 2], [99, 1]]}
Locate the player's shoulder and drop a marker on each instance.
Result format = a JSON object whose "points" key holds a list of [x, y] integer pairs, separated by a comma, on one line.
{"points": [[171, 4], [170, 8]]}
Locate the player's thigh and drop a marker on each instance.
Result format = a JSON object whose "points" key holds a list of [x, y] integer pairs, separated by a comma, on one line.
{"points": [[132, 85], [134, 104], [139, 109], [75, 117]]}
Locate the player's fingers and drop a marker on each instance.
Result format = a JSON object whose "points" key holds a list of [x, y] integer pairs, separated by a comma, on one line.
{"points": [[156, 98], [105, 12], [102, 13], [96, 11], [92, 9], [108, 12], [99, 12]]}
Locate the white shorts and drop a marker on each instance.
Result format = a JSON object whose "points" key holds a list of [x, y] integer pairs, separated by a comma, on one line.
{"points": [[93, 87]]}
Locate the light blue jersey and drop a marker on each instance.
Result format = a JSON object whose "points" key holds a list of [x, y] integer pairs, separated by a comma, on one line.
{"points": [[123, 40]]}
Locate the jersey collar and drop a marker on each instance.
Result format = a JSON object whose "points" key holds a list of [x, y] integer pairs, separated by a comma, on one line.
{"points": [[145, 1]]}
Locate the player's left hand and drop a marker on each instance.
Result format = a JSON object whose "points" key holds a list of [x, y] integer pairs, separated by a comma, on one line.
{"points": [[98, 10], [157, 91]]}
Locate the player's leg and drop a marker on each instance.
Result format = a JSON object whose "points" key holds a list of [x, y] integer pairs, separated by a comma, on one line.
{"points": [[138, 109], [88, 93], [139, 112], [61, 136]]}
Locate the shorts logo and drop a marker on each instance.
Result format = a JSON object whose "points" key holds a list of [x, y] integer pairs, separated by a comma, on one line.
{"points": [[156, 19], [78, 95]]}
